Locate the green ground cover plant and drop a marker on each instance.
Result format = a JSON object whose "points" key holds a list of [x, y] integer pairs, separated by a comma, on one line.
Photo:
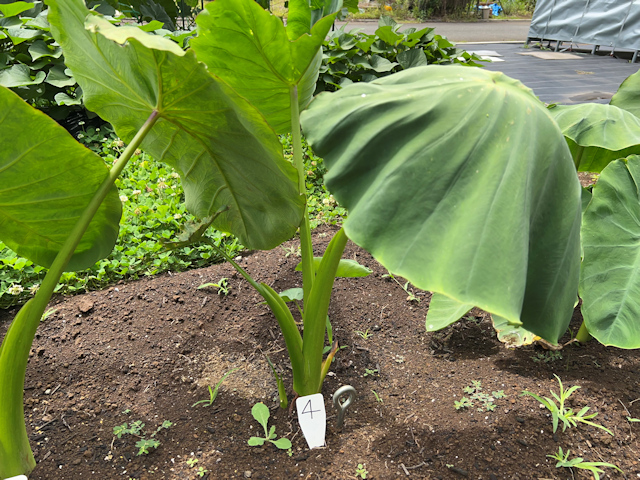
{"points": [[139, 251], [32, 64], [352, 56], [136, 429], [153, 209], [478, 398]]}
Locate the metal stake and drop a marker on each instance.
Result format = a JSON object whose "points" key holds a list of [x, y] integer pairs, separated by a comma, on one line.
{"points": [[342, 406]]}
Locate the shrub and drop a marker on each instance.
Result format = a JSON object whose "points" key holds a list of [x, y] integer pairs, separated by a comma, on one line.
{"points": [[355, 56]]}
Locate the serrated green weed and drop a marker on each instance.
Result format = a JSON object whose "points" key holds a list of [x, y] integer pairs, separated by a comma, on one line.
{"points": [[483, 401]]}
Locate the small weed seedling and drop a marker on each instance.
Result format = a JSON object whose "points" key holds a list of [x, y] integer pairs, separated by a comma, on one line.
{"points": [[378, 397], [213, 392], [222, 286], [370, 372], [366, 335], [292, 250], [192, 463], [282, 391], [261, 413], [201, 472], [48, 313], [563, 461], [478, 396], [410, 295], [361, 471], [548, 356], [135, 428], [559, 412]]}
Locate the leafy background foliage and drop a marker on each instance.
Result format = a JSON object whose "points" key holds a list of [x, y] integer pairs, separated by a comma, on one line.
{"points": [[26, 45], [353, 56], [148, 216], [31, 62]]}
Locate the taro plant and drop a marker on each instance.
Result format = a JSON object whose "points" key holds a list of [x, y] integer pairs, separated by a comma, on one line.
{"points": [[604, 139], [456, 179], [157, 97]]}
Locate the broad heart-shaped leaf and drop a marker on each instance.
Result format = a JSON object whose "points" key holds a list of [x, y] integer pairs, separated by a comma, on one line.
{"points": [[58, 78], [628, 95], [412, 58], [15, 8], [610, 277], [597, 134], [347, 268], [458, 180], [291, 294], [19, 75], [46, 181], [249, 49], [39, 49], [298, 18], [443, 311], [223, 149]]}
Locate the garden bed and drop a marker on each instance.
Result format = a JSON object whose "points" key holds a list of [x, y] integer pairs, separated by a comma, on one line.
{"points": [[146, 351]]}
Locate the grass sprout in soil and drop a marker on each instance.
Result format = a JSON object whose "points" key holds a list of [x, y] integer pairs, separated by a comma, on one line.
{"points": [[153, 347]]}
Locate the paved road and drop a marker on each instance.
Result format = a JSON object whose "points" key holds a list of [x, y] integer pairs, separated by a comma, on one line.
{"points": [[481, 31], [587, 78]]}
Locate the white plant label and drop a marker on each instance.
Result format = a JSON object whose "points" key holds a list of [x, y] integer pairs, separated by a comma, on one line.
{"points": [[313, 419]]}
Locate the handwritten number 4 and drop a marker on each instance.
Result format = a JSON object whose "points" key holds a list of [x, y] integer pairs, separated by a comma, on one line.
{"points": [[309, 409]]}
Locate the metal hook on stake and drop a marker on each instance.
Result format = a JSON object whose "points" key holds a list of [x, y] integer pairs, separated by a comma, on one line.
{"points": [[342, 406]]}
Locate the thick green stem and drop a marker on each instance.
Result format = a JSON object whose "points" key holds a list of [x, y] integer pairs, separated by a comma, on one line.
{"points": [[583, 335], [315, 316], [306, 246], [16, 457]]}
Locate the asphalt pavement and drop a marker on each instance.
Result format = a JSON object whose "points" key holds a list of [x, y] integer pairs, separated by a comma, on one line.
{"points": [[480, 31], [572, 76]]}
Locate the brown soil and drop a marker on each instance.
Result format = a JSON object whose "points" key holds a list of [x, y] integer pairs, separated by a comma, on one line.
{"points": [[149, 348]]}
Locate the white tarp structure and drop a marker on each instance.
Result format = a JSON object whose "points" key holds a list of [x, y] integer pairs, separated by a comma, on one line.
{"points": [[610, 23]]}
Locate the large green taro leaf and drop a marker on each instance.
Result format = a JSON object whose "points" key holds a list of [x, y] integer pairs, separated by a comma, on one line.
{"points": [[597, 134], [610, 277], [443, 311], [458, 180], [628, 95], [46, 181], [223, 149], [249, 49]]}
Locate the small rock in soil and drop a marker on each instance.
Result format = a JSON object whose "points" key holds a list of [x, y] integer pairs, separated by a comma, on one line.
{"points": [[247, 474], [85, 305]]}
